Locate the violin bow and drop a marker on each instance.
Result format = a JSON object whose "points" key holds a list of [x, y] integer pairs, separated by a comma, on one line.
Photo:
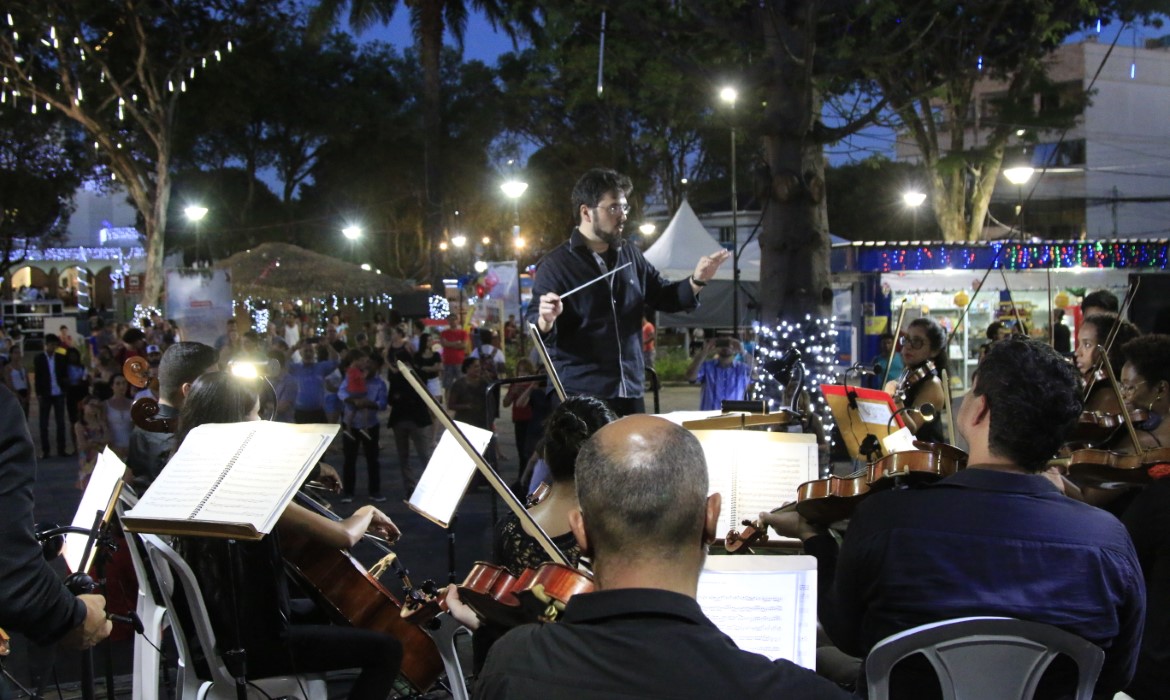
{"points": [[1117, 389], [526, 520], [897, 331], [542, 351], [946, 380], [1015, 309], [1103, 357]]}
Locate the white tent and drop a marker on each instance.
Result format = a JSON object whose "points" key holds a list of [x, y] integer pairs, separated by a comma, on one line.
{"points": [[685, 240]]}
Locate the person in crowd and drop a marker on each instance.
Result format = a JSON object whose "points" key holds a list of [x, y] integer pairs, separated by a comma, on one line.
{"points": [[292, 334], [430, 365], [888, 363], [230, 331], [104, 371], [119, 419], [66, 337], [381, 333], [33, 600], [78, 387], [91, 435], [51, 375], [645, 517], [284, 386], [595, 337], [519, 397], [924, 353], [1061, 335], [648, 342], [466, 398], [361, 426], [16, 377], [1003, 537], [410, 419], [723, 376], [133, 345], [1145, 383], [492, 355], [454, 340], [318, 360], [280, 636], [181, 365], [1101, 301]]}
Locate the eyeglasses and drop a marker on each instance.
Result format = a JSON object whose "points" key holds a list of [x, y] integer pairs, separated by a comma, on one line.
{"points": [[1128, 389], [615, 209], [914, 341]]}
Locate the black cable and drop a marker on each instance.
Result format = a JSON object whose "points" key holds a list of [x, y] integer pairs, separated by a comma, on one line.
{"points": [[12, 679]]}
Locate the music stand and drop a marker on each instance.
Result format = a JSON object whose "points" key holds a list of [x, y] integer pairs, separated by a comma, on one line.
{"points": [[863, 416]]}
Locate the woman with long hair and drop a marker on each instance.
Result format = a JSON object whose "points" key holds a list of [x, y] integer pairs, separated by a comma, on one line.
{"points": [[924, 354], [281, 636]]}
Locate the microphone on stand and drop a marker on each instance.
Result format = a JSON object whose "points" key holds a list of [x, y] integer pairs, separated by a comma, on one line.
{"points": [[926, 410]]}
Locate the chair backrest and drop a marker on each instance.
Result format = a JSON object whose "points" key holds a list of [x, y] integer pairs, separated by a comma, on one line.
{"points": [[147, 582], [174, 574], [992, 658]]}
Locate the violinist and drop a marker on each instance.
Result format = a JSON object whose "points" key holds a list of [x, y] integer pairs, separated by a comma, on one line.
{"points": [[994, 539], [1145, 383], [924, 354], [1095, 330], [645, 518], [280, 635], [569, 426]]}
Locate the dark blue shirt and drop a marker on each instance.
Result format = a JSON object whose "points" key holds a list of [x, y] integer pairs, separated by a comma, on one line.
{"points": [[596, 343], [637, 643], [311, 383], [986, 542]]}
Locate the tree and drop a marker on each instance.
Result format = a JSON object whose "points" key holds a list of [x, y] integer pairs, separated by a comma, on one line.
{"points": [[430, 19], [119, 69], [42, 163]]}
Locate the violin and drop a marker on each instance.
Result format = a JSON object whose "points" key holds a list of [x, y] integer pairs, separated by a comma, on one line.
{"points": [[911, 376], [5, 643], [826, 501], [1103, 466], [505, 600], [1099, 427]]}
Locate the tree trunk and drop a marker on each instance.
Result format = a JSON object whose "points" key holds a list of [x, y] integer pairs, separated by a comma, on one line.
{"points": [[156, 225], [430, 39], [794, 245]]}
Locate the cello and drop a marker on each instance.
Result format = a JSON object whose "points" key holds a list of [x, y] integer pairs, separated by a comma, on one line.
{"points": [[144, 411], [349, 593]]}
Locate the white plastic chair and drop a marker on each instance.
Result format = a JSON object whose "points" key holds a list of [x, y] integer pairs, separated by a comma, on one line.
{"points": [[152, 611], [985, 658], [171, 571]]}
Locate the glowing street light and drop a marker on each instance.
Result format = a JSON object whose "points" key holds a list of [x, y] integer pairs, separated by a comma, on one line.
{"points": [[914, 199], [480, 266], [513, 189], [459, 241], [352, 232], [648, 228], [729, 95], [1019, 175], [195, 214]]}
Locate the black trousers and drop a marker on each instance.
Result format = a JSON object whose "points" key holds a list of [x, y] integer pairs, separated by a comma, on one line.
{"points": [[57, 405], [627, 406], [321, 648], [366, 440]]}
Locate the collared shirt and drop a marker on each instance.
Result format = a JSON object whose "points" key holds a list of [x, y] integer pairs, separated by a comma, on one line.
{"points": [[362, 418], [596, 342], [722, 382], [311, 383], [54, 384], [637, 643], [987, 542], [286, 388]]}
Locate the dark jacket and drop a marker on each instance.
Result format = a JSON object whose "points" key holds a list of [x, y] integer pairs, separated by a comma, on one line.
{"points": [[41, 370], [32, 597], [149, 450], [596, 343]]}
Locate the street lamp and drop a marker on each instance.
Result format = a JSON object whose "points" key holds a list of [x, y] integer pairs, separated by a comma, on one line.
{"points": [[352, 233], [195, 214], [480, 266], [459, 241], [913, 199], [729, 95], [648, 228], [513, 190], [1019, 175]]}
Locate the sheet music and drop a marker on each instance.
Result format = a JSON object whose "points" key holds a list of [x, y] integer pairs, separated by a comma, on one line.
{"points": [[105, 477], [874, 412], [756, 471], [766, 604], [243, 473], [447, 475], [680, 417]]}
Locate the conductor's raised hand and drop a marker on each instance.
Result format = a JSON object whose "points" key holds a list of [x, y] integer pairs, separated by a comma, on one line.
{"points": [[550, 308], [708, 265]]}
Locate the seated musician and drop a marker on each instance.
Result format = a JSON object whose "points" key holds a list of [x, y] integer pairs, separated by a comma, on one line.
{"points": [[646, 519], [1145, 383], [924, 354], [994, 539], [275, 639], [33, 600], [569, 426], [1095, 330]]}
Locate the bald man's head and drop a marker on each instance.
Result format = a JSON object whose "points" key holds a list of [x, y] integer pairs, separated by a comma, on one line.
{"points": [[642, 486]]}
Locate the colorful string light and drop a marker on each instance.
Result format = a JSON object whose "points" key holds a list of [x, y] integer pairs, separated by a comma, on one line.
{"points": [[1121, 254]]}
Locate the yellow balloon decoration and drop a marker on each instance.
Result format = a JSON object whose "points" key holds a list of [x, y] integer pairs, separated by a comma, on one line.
{"points": [[1060, 300], [961, 299]]}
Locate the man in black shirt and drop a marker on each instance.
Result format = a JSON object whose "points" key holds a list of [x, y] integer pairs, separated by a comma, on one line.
{"points": [[180, 366], [33, 599], [595, 337], [645, 518]]}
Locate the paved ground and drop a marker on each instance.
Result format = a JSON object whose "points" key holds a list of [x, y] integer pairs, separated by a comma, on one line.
{"points": [[425, 548]]}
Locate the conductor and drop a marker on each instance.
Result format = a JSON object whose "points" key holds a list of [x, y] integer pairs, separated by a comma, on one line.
{"points": [[594, 332]]}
